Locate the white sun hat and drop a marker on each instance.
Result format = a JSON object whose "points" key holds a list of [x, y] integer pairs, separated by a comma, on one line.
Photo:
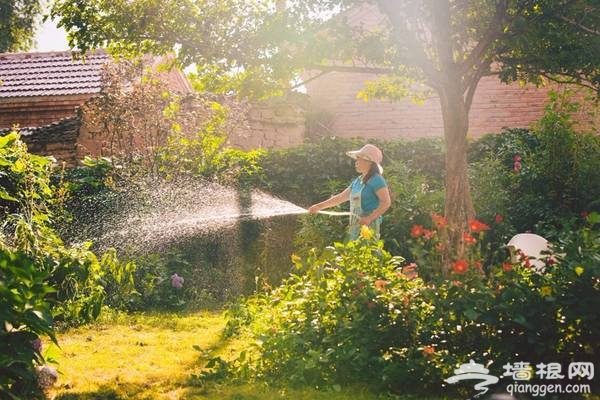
{"points": [[368, 152]]}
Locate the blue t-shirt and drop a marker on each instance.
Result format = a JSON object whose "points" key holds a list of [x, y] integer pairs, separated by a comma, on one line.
{"points": [[368, 197]]}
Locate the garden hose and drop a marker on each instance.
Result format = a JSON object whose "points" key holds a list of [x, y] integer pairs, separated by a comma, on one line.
{"points": [[335, 213]]}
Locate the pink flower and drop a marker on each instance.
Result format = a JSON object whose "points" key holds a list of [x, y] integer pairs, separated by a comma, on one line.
{"points": [[410, 271], [177, 281], [499, 218], [517, 166], [37, 344], [427, 234]]}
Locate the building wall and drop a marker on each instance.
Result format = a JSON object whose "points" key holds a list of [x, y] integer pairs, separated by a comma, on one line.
{"points": [[495, 106], [276, 123], [38, 111]]}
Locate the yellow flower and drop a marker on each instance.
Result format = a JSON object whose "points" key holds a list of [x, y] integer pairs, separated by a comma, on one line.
{"points": [[579, 270], [296, 260], [545, 291], [366, 233]]}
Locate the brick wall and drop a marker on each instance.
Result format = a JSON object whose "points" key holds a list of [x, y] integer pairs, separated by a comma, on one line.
{"points": [[38, 111], [494, 107]]}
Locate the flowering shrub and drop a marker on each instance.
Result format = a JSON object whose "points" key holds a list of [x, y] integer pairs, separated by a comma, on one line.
{"points": [[355, 313], [341, 318], [428, 246]]}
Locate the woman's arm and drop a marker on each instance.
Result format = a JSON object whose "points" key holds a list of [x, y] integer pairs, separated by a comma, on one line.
{"points": [[385, 201], [330, 202]]}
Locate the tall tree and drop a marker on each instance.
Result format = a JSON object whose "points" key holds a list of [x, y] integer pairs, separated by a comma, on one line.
{"points": [[448, 45], [17, 24]]}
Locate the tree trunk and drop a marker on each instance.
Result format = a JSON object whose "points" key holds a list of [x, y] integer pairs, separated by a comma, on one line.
{"points": [[458, 202]]}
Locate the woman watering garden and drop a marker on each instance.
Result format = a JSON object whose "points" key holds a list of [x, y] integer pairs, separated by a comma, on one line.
{"points": [[368, 194]]}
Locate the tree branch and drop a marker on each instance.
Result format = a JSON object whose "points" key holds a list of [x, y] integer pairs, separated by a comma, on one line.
{"points": [[309, 79], [492, 34], [578, 25], [473, 83], [576, 81]]}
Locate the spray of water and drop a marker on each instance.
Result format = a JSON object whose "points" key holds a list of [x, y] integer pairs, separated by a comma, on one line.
{"points": [[156, 213]]}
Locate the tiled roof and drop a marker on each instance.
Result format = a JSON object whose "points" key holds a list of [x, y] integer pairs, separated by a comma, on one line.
{"points": [[49, 74]]}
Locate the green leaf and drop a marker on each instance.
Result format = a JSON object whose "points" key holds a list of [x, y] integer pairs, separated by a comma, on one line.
{"points": [[5, 196], [8, 139], [472, 314]]}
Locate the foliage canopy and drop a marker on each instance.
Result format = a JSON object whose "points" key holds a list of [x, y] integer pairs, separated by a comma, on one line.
{"points": [[256, 47], [17, 19]]}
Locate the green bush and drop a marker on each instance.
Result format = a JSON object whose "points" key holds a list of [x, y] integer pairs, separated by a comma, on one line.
{"points": [[330, 323], [551, 172], [28, 196], [349, 315], [26, 317]]}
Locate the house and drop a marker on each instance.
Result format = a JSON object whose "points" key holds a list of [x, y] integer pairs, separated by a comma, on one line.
{"points": [[42, 93]]}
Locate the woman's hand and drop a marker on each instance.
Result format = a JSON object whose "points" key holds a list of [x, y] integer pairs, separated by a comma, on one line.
{"points": [[366, 220]]}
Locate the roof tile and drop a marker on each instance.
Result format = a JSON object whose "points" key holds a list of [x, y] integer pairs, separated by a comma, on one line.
{"points": [[50, 74]]}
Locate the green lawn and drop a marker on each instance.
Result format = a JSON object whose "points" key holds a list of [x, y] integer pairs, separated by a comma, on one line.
{"points": [[152, 356]]}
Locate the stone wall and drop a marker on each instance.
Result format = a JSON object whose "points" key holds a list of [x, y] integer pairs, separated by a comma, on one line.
{"points": [[276, 123]]}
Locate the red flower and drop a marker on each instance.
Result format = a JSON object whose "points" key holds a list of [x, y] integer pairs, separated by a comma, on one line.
{"points": [[460, 267], [439, 220], [507, 267], [477, 226], [416, 231], [517, 158], [468, 238], [499, 218]]}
